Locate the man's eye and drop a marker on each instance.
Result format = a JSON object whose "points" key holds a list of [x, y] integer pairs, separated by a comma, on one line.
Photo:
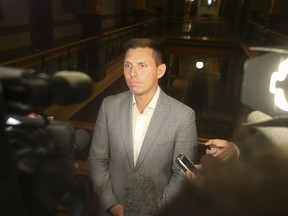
{"points": [[142, 65], [127, 65]]}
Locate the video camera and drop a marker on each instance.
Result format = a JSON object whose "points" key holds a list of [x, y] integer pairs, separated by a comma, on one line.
{"points": [[37, 152]]}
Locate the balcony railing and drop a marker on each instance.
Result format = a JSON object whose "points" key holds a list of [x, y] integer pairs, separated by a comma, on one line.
{"points": [[205, 27], [66, 56]]}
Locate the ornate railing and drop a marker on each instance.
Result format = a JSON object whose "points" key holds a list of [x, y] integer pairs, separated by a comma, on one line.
{"points": [[205, 27], [108, 44]]}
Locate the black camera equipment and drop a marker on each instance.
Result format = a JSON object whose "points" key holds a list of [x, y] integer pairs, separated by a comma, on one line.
{"points": [[37, 167]]}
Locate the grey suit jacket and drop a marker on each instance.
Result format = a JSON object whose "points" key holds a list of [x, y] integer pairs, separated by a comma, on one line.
{"points": [[172, 130]]}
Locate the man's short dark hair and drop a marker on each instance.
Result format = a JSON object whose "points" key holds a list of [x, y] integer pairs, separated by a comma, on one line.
{"points": [[146, 43]]}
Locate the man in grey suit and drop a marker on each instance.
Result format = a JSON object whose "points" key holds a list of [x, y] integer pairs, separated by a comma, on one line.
{"points": [[138, 135]]}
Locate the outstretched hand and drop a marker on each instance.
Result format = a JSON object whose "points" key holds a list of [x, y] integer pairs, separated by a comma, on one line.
{"points": [[223, 150]]}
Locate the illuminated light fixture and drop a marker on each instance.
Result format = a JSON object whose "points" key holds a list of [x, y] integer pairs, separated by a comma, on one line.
{"points": [[280, 75], [199, 64], [210, 2]]}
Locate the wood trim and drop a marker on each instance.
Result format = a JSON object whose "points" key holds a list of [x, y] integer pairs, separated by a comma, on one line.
{"points": [[82, 168], [65, 112]]}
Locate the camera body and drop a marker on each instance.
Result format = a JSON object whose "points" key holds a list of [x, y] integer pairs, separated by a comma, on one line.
{"points": [[39, 152]]}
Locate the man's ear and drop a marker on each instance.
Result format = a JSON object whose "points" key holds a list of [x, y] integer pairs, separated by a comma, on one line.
{"points": [[161, 70]]}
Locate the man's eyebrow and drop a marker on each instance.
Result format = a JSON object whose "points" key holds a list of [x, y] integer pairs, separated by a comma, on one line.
{"points": [[141, 62], [127, 62]]}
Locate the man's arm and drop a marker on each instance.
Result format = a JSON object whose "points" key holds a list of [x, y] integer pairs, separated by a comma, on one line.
{"points": [[186, 141], [98, 162]]}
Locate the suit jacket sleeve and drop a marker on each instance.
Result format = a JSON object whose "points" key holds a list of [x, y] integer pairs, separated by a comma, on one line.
{"points": [[186, 142], [98, 162]]}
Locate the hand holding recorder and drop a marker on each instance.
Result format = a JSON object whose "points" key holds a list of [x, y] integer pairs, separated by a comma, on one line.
{"points": [[185, 164]]}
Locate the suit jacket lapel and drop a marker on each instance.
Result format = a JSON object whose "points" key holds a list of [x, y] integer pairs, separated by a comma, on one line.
{"points": [[126, 128], [159, 117]]}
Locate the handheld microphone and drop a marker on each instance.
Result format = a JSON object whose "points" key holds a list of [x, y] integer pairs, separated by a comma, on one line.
{"points": [[140, 196]]}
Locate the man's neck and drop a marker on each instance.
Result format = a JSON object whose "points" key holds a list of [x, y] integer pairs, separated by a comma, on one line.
{"points": [[142, 101]]}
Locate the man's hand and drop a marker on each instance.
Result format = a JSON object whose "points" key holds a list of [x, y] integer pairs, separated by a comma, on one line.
{"points": [[196, 179], [191, 175], [224, 150], [117, 210]]}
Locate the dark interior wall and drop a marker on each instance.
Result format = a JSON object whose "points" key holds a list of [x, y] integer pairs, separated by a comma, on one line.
{"points": [[14, 30], [41, 24], [179, 6], [115, 12], [31, 25], [280, 7], [230, 9], [260, 9]]}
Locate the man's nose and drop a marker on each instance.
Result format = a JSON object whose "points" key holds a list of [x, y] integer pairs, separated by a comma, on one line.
{"points": [[133, 72]]}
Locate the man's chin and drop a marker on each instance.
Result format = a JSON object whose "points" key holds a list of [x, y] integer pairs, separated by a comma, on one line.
{"points": [[135, 90]]}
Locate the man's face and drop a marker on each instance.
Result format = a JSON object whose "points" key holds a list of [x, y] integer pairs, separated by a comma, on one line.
{"points": [[141, 73]]}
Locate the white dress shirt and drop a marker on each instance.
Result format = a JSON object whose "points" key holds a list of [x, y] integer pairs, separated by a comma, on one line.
{"points": [[140, 123]]}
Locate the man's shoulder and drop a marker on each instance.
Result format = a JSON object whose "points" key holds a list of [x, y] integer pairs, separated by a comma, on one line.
{"points": [[176, 104], [117, 97]]}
